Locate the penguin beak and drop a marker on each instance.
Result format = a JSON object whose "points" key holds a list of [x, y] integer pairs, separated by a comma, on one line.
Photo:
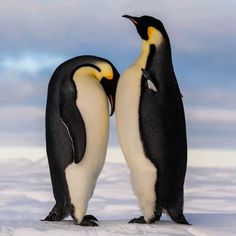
{"points": [[110, 90], [135, 20]]}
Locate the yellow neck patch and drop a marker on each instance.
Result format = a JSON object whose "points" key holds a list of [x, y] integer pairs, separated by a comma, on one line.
{"points": [[106, 71], [154, 36]]}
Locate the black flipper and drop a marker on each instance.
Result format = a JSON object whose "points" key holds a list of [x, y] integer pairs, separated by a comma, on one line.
{"points": [[149, 82], [73, 120]]}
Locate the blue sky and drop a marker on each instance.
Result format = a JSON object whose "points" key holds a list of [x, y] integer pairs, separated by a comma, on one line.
{"points": [[38, 35]]}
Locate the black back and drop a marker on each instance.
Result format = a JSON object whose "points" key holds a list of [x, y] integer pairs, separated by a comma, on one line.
{"points": [[162, 127]]}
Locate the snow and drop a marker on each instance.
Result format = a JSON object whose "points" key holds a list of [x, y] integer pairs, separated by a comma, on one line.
{"points": [[26, 197]]}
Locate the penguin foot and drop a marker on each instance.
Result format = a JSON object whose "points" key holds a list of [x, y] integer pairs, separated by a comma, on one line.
{"points": [[88, 220], [139, 220], [157, 218], [88, 223], [56, 214], [90, 217], [180, 219]]}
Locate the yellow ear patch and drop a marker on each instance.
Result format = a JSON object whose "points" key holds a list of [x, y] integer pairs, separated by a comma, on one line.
{"points": [[106, 70], [109, 76], [150, 31], [154, 35]]}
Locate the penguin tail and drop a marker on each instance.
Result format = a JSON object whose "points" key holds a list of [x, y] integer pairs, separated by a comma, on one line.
{"points": [[179, 218]]}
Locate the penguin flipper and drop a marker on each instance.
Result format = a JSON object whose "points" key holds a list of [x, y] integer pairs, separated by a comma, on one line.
{"points": [[150, 83], [73, 120]]}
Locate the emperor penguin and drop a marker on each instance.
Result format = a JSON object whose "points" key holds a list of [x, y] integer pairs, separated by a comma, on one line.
{"points": [[151, 125], [77, 129]]}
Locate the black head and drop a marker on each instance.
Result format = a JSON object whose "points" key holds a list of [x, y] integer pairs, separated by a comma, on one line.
{"points": [[144, 22]]}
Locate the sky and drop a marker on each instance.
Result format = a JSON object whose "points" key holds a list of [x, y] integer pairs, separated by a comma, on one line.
{"points": [[38, 35]]}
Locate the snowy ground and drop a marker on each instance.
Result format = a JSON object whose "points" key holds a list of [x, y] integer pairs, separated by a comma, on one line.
{"points": [[26, 197]]}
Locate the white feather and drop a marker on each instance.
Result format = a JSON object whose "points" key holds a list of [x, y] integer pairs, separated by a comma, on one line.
{"points": [[143, 172], [81, 178], [151, 85]]}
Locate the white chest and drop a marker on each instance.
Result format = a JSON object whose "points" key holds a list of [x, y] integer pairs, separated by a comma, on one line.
{"points": [[81, 178], [127, 117], [143, 172], [93, 106]]}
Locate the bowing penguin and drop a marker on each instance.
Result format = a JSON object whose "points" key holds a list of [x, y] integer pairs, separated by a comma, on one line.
{"points": [[77, 129]]}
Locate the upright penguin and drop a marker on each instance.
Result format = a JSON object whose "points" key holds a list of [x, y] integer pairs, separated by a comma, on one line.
{"points": [[151, 125], [77, 129]]}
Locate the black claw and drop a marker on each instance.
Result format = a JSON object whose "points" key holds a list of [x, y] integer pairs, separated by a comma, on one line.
{"points": [[90, 217], [139, 220], [88, 223], [56, 214], [88, 220]]}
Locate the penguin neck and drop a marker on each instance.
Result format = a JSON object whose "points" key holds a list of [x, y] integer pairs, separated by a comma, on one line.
{"points": [[145, 51], [160, 42], [85, 72], [142, 59], [162, 52]]}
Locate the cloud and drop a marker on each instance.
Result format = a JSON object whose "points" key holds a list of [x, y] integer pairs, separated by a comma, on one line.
{"points": [[26, 138], [209, 127], [213, 98], [30, 63], [211, 116], [64, 27], [39, 35], [22, 125], [23, 88], [21, 118], [13, 115]]}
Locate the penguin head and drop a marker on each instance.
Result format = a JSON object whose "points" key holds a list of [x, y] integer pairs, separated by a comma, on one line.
{"points": [[149, 28], [104, 70], [108, 77], [105, 73]]}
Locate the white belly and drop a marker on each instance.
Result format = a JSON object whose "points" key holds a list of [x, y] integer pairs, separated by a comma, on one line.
{"points": [[143, 172], [81, 178]]}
